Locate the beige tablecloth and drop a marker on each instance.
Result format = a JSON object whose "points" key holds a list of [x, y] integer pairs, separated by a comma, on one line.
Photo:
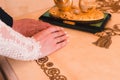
{"points": [[80, 59]]}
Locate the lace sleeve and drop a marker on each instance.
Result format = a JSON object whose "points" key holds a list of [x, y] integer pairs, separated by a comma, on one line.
{"points": [[16, 46]]}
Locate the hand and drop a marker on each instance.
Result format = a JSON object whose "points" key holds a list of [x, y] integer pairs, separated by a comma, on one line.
{"points": [[51, 39], [28, 27]]}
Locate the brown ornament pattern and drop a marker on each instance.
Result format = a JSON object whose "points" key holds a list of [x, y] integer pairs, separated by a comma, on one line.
{"points": [[111, 6], [49, 70], [106, 35]]}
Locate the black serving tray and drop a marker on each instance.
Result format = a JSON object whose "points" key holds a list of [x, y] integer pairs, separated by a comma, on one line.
{"points": [[92, 27]]}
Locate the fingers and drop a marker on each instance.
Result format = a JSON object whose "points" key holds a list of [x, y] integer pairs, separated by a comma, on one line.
{"points": [[61, 44], [50, 30], [60, 38], [61, 41], [53, 29], [51, 39], [59, 34]]}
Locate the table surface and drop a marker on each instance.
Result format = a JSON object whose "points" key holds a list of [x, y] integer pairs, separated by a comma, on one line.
{"points": [[79, 59]]}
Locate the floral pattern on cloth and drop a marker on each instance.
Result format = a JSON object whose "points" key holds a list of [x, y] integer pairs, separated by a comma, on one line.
{"points": [[112, 6], [49, 70], [105, 37]]}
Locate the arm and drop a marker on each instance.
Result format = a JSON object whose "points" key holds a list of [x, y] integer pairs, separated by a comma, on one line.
{"points": [[16, 46]]}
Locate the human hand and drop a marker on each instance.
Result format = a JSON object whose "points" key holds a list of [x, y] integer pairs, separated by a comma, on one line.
{"points": [[51, 39], [28, 27]]}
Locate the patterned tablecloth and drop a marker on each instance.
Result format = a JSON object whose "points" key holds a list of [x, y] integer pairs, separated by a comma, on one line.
{"points": [[80, 59]]}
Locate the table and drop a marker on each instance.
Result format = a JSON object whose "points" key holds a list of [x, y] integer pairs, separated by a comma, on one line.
{"points": [[79, 59]]}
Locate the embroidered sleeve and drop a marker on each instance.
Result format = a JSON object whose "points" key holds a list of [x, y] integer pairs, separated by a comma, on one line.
{"points": [[16, 46]]}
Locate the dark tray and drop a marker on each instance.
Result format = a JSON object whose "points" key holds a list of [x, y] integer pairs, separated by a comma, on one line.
{"points": [[92, 27]]}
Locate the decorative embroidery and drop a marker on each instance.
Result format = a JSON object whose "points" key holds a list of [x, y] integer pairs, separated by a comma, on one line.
{"points": [[47, 67], [112, 6], [106, 35]]}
